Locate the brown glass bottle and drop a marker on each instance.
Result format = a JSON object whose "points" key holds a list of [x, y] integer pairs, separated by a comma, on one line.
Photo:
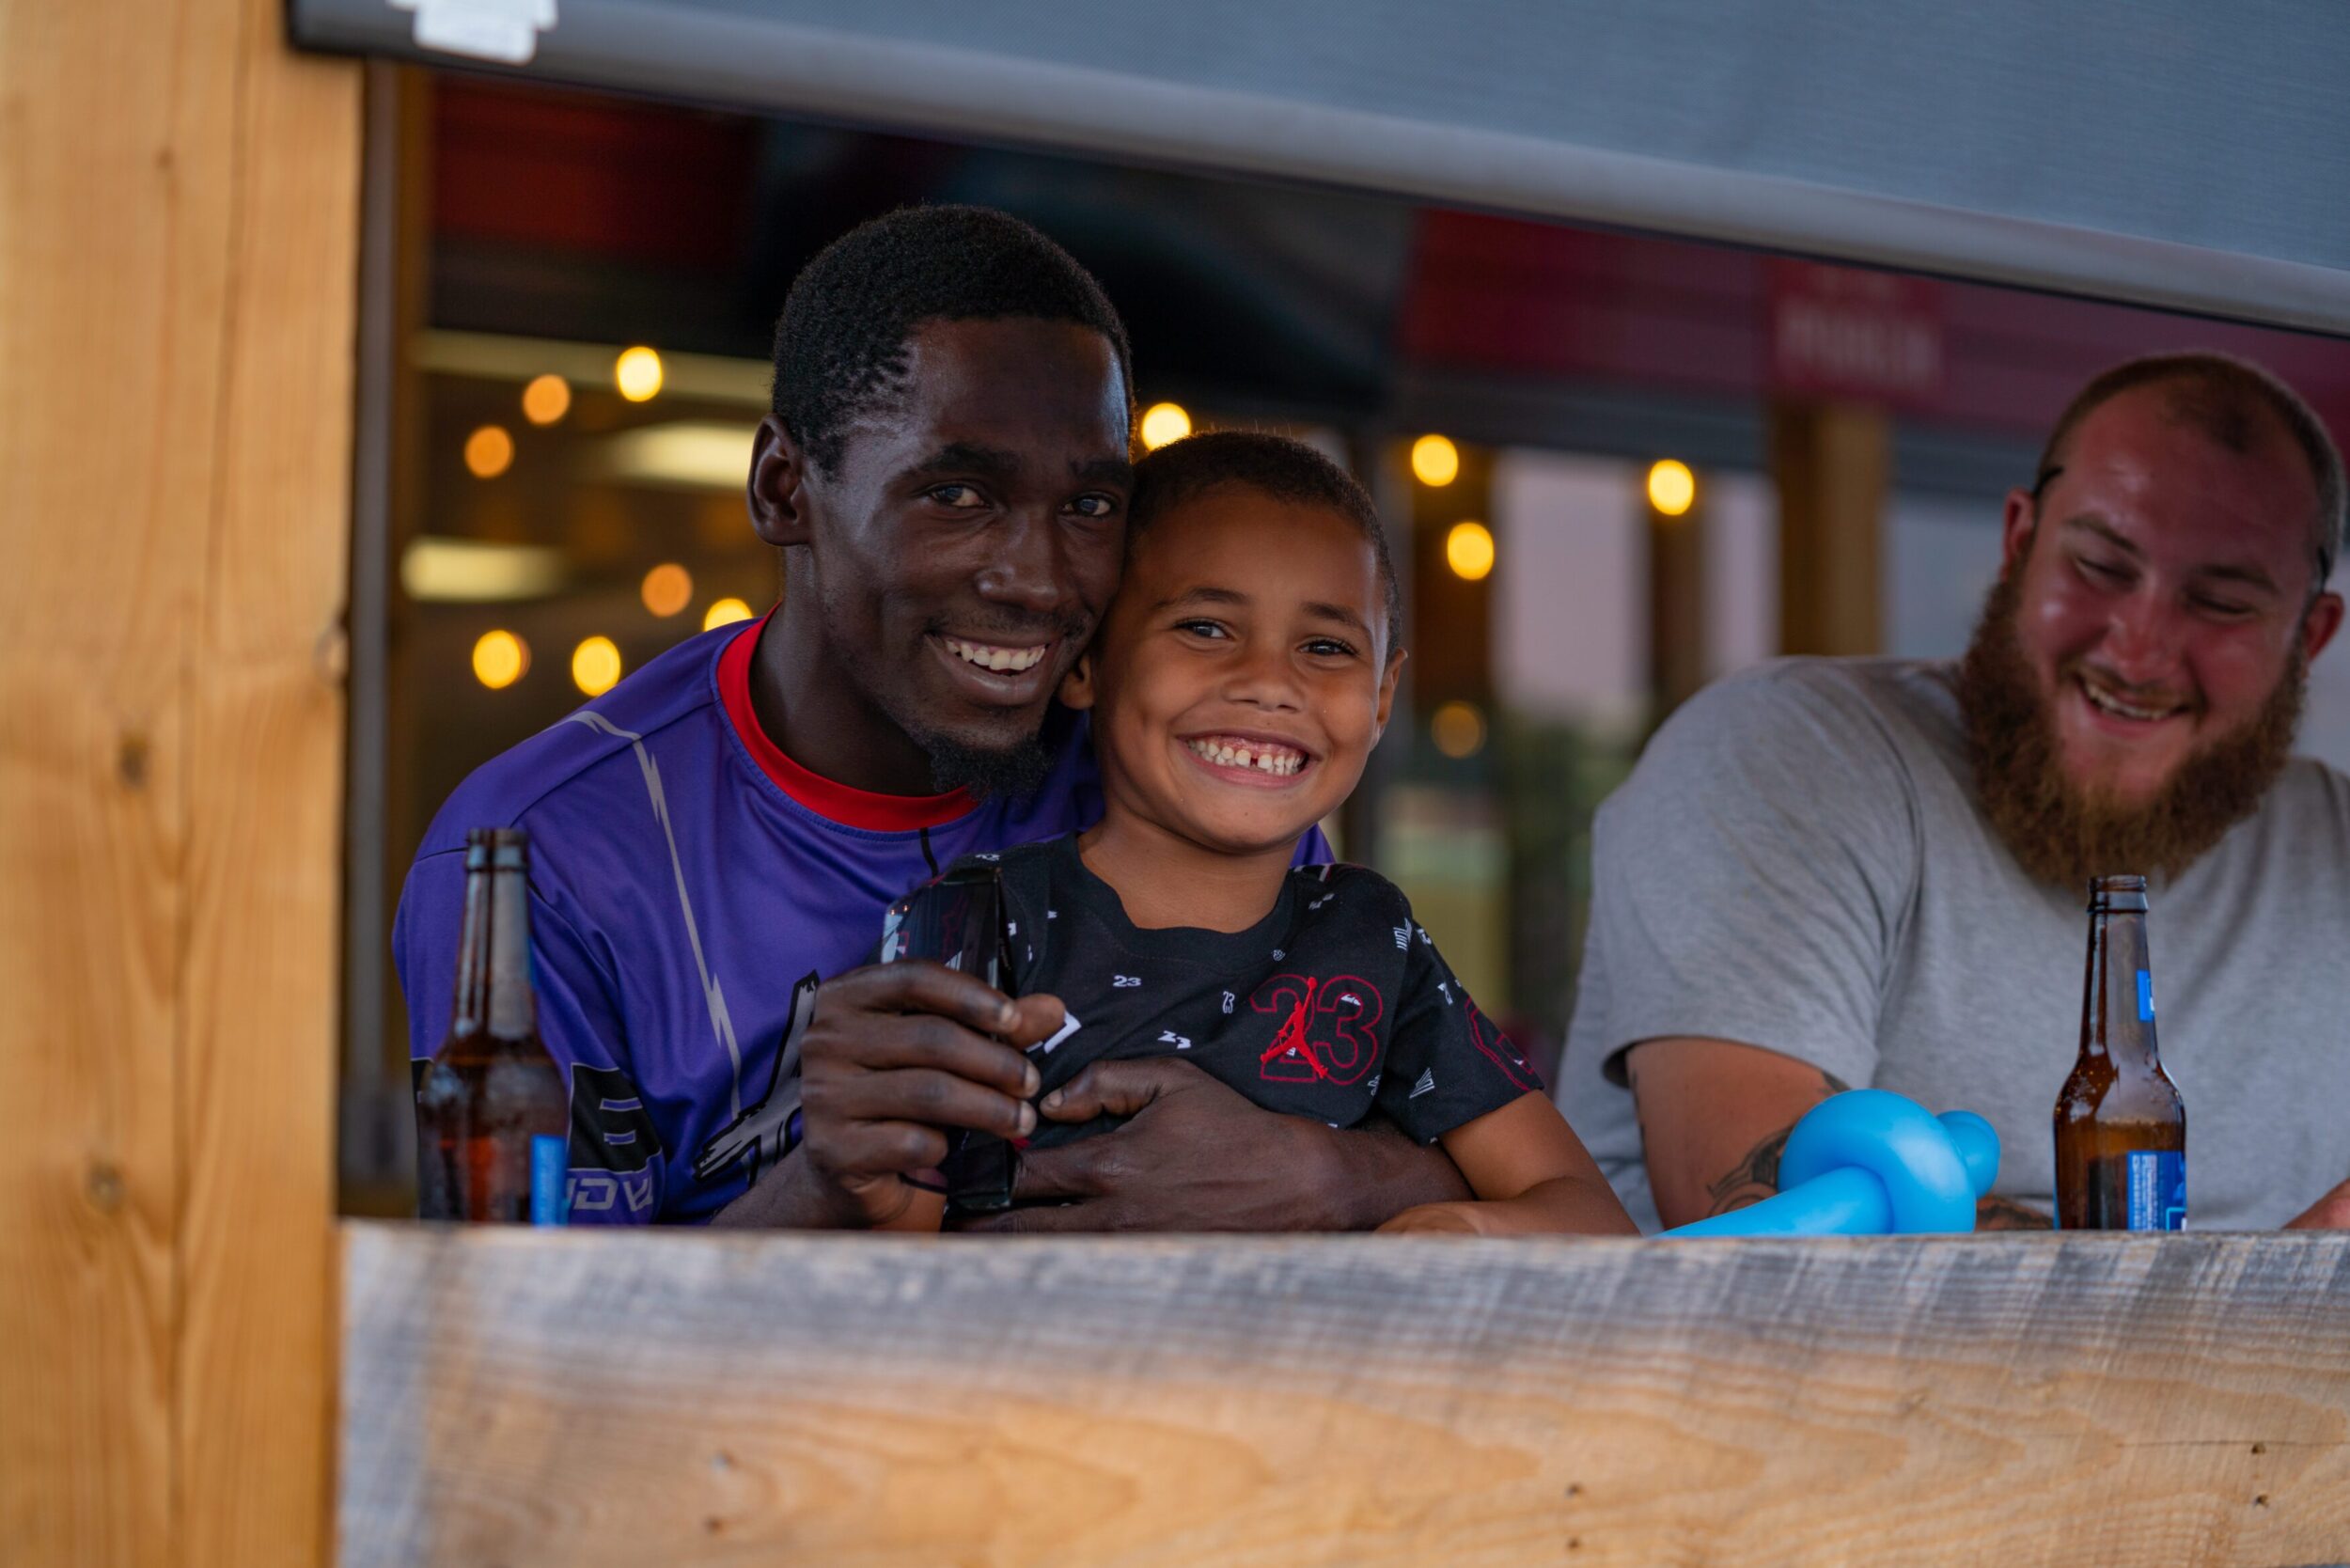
{"points": [[2121, 1127], [492, 1119]]}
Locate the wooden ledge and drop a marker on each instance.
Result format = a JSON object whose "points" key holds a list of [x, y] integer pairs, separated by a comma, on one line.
{"points": [[520, 1398]]}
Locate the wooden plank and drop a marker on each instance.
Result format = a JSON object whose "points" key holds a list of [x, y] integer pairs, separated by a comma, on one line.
{"points": [[259, 1006], [164, 1052], [520, 1398]]}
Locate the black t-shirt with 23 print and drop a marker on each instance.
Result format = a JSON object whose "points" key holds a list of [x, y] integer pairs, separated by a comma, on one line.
{"points": [[1334, 1003]]}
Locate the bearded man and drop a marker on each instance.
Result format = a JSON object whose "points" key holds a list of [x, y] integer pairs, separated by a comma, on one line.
{"points": [[1833, 872]]}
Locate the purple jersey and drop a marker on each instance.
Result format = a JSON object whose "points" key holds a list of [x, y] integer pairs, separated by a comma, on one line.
{"points": [[689, 885]]}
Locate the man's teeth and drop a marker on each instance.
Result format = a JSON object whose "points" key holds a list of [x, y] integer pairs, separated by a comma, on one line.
{"points": [[1264, 756], [2114, 705], [1011, 661]]}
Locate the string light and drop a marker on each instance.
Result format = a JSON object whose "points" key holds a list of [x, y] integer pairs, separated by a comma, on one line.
{"points": [[1671, 488], [1458, 729], [596, 665], [668, 589], [489, 452], [1163, 423], [1468, 549], [637, 375], [547, 399], [1435, 461], [499, 659]]}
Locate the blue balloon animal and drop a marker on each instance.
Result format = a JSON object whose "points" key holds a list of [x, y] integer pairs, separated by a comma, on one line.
{"points": [[1870, 1163]]}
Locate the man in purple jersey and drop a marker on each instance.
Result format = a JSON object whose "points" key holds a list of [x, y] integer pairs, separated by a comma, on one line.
{"points": [[946, 474]]}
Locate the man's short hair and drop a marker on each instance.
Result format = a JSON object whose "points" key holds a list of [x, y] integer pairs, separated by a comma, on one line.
{"points": [[1288, 471], [2230, 401], [841, 341]]}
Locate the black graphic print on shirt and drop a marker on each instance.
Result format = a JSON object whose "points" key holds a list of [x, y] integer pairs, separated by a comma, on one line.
{"points": [[1335, 1003]]}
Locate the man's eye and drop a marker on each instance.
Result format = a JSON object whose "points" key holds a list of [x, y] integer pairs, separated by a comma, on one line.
{"points": [[2221, 609], [959, 498], [2103, 572], [1094, 507]]}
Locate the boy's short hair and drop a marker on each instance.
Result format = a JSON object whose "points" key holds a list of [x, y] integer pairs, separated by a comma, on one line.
{"points": [[1275, 465], [840, 343]]}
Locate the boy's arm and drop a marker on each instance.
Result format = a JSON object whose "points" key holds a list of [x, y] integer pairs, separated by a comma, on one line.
{"points": [[1532, 1175]]}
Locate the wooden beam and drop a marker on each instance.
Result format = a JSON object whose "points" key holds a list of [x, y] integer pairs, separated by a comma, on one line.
{"points": [[525, 1398], [176, 233], [1833, 463]]}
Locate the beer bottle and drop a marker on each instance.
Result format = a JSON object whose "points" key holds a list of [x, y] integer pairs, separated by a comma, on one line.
{"points": [[492, 1119], [2121, 1127]]}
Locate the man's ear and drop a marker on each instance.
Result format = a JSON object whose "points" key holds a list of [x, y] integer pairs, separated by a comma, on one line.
{"points": [[2018, 521], [777, 488], [1386, 690], [1076, 687]]}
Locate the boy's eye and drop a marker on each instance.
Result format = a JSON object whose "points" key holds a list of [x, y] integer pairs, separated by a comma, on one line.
{"points": [[957, 497], [1203, 628], [2221, 609], [1330, 647]]}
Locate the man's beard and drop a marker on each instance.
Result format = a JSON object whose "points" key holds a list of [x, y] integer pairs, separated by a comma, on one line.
{"points": [[1019, 769], [2063, 834]]}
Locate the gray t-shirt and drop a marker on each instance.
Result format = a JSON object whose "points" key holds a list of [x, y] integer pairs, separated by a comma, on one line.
{"points": [[1797, 862]]}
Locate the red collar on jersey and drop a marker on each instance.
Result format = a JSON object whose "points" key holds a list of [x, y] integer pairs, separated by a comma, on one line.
{"points": [[835, 802]]}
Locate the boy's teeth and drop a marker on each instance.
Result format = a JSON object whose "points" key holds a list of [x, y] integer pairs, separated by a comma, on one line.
{"points": [[1279, 760], [1009, 660]]}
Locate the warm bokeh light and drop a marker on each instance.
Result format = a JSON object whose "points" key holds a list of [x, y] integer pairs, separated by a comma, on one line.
{"points": [[725, 612], [637, 373], [1163, 423], [596, 665], [1671, 488], [499, 659], [668, 589], [1435, 461], [1468, 549], [546, 399], [1458, 729], [489, 452]]}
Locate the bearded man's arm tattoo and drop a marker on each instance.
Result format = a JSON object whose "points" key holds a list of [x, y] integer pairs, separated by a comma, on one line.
{"points": [[1756, 1177]]}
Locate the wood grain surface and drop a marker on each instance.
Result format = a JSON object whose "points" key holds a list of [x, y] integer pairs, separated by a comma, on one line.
{"points": [[517, 1397], [177, 229]]}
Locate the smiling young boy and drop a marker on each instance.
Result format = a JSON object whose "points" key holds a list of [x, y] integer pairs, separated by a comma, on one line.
{"points": [[1240, 679]]}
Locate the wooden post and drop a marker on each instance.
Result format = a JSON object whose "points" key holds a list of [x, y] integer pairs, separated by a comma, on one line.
{"points": [[1833, 462], [178, 234], [1676, 598]]}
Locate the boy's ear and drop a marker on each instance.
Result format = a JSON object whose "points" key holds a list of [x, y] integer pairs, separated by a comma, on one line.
{"points": [[1387, 689], [777, 489], [1076, 687]]}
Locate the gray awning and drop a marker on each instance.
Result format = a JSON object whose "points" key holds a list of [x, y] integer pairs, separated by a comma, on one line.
{"points": [[2169, 153]]}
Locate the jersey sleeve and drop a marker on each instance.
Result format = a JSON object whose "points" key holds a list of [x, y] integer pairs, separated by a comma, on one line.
{"points": [[617, 1164], [1447, 1063]]}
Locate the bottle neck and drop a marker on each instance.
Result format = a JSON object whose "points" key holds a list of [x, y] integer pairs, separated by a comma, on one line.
{"points": [[493, 990], [2118, 1012]]}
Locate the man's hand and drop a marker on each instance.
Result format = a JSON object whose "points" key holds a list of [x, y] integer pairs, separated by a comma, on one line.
{"points": [[2329, 1212], [894, 1053], [1197, 1157]]}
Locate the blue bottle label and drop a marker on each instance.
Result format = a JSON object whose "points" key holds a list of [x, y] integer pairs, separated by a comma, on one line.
{"points": [[2157, 1190], [2145, 997], [550, 1175]]}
